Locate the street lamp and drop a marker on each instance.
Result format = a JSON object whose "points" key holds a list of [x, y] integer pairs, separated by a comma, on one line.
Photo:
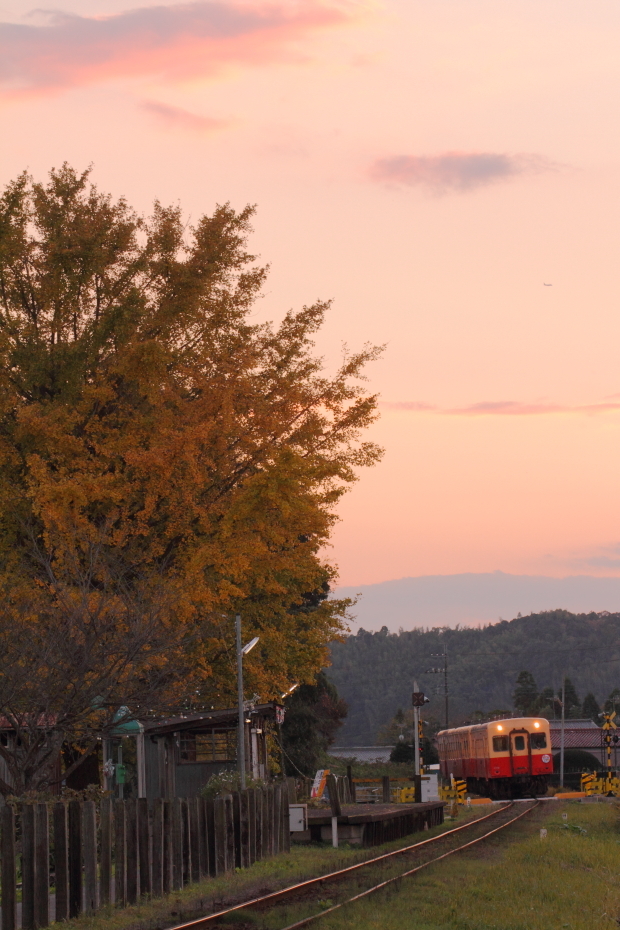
{"points": [[241, 652]]}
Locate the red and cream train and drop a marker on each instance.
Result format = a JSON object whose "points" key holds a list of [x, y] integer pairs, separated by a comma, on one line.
{"points": [[500, 759]]}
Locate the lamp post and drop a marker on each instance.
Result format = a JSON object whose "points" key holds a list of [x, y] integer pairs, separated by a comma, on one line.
{"points": [[241, 652]]}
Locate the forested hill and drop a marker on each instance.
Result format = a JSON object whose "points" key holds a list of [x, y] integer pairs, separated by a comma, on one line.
{"points": [[374, 672]]}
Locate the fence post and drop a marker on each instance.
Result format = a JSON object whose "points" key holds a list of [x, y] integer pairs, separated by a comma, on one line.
{"points": [[236, 814], [219, 821], [9, 872], [291, 790], [203, 842], [131, 833], [211, 838], [194, 838], [28, 841], [106, 851], [259, 807], [120, 854], [61, 861], [351, 784], [167, 847], [75, 858], [157, 847], [144, 846], [251, 796], [89, 832], [177, 845], [283, 814], [286, 823], [272, 820], [244, 841], [230, 833], [187, 846], [386, 789], [277, 817], [269, 828], [41, 866]]}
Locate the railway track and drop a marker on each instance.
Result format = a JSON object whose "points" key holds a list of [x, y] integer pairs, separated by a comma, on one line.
{"points": [[423, 854]]}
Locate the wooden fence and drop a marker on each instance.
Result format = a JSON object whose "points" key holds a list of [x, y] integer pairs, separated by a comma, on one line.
{"points": [[75, 857]]}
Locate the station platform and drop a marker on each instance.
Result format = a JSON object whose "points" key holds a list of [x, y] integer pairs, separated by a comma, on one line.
{"points": [[374, 824]]}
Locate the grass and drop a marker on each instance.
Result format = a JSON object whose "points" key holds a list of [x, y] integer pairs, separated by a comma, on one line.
{"points": [[515, 881], [302, 862]]}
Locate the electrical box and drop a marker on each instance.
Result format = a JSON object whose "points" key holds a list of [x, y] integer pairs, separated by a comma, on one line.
{"points": [[120, 772], [430, 787], [298, 815]]}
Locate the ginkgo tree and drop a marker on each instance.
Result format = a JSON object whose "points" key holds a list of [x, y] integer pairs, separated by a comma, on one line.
{"points": [[165, 463]]}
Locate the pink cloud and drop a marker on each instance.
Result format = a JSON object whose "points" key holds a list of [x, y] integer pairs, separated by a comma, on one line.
{"points": [[183, 119], [175, 42], [500, 408], [455, 171]]}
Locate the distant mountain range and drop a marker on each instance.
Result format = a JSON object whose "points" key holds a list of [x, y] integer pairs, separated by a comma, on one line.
{"points": [[475, 599]]}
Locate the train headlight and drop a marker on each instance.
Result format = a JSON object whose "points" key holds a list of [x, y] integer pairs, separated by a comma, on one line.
{"points": [[500, 728], [537, 725]]}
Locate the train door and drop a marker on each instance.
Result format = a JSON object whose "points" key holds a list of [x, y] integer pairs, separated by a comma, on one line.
{"points": [[520, 752]]}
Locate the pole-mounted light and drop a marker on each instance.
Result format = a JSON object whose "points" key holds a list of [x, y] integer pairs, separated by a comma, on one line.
{"points": [[290, 690], [241, 652]]}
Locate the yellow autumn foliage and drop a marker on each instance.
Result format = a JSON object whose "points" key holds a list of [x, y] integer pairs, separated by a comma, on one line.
{"points": [[165, 462]]}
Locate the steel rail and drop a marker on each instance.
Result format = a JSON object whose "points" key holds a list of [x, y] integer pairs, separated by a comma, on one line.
{"points": [[396, 878], [331, 876]]}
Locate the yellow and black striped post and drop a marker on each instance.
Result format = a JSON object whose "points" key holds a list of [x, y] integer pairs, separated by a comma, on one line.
{"points": [[421, 737], [607, 727]]}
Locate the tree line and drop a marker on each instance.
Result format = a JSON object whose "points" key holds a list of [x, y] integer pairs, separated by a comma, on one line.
{"points": [[374, 672], [529, 701]]}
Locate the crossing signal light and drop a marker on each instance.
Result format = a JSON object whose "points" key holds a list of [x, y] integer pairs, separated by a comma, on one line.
{"points": [[419, 699]]}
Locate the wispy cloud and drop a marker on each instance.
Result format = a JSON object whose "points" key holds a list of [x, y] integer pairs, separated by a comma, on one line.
{"points": [[510, 408], [603, 557], [189, 39], [455, 171], [183, 119]]}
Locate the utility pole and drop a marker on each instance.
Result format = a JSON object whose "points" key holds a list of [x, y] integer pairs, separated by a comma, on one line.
{"points": [[443, 655], [416, 733], [562, 730], [445, 679]]}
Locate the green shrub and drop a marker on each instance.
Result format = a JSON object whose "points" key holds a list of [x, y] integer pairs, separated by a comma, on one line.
{"points": [[226, 782]]}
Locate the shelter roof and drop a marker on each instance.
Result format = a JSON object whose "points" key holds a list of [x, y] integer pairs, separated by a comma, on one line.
{"points": [[204, 720]]}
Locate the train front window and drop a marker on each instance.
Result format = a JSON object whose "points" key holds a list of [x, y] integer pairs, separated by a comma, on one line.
{"points": [[538, 740], [519, 743], [500, 744]]}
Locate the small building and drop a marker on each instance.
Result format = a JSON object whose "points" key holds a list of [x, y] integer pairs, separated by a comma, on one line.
{"points": [[176, 756], [580, 734]]}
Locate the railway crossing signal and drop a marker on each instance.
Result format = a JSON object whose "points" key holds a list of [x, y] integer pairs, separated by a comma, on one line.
{"points": [[607, 727], [419, 699]]}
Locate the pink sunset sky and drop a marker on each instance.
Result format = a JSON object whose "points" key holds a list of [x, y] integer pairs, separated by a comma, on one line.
{"points": [[428, 164]]}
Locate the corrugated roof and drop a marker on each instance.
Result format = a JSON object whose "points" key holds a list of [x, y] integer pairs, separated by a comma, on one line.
{"points": [[204, 719], [576, 739]]}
